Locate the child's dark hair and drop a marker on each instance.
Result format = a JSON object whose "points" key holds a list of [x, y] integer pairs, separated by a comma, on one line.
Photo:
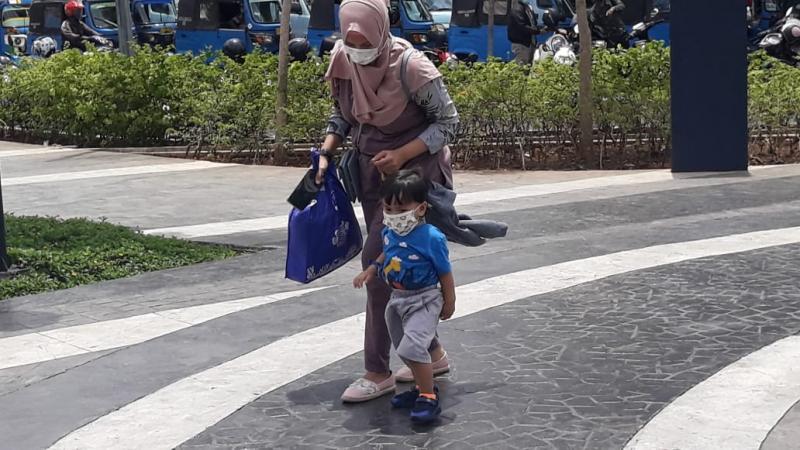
{"points": [[405, 186]]}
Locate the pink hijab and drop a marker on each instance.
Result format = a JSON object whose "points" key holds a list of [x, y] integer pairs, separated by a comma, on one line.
{"points": [[378, 95]]}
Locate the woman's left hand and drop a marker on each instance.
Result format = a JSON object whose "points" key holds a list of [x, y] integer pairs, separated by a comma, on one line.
{"points": [[389, 162]]}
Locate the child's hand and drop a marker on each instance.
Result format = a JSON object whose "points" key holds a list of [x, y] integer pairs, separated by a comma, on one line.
{"points": [[363, 278], [447, 310]]}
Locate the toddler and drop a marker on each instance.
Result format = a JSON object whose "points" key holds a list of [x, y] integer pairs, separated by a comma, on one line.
{"points": [[415, 263]]}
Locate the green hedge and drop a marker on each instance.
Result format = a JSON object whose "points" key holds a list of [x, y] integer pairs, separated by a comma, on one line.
{"points": [[511, 116], [57, 254]]}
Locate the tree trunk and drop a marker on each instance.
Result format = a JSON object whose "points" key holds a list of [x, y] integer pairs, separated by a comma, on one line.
{"points": [[124, 28], [490, 36], [281, 119], [585, 94]]}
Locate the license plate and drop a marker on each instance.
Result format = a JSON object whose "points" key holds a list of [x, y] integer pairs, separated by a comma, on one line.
{"points": [[166, 31]]}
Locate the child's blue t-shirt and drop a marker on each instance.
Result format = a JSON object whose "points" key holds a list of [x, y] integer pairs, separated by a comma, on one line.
{"points": [[415, 261]]}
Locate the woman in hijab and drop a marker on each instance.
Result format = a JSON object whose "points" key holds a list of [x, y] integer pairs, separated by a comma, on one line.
{"points": [[395, 121]]}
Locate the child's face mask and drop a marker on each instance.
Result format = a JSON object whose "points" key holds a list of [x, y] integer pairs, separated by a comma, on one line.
{"points": [[402, 223]]}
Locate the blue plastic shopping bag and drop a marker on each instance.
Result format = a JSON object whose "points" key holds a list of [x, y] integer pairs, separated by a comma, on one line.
{"points": [[325, 235]]}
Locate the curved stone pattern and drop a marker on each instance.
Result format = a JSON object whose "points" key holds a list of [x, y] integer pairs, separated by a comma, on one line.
{"points": [[581, 368], [733, 409], [784, 435]]}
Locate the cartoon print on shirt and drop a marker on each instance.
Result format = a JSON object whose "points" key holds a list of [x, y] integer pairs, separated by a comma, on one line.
{"points": [[394, 265]]}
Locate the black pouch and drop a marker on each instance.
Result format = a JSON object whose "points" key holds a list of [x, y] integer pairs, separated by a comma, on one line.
{"points": [[350, 174], [305, 192]]}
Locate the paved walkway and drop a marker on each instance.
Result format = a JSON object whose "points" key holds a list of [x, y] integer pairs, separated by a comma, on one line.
{"points": [[625, 310]]}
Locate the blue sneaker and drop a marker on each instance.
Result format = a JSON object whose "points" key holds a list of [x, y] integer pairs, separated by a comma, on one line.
{"points": [[425, 410], [407, 399]]}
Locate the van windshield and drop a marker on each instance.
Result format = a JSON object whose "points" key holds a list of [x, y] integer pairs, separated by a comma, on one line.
{"points": [[438, 5], [266, 11], [104, 14], [155, 13], [416, 11]]}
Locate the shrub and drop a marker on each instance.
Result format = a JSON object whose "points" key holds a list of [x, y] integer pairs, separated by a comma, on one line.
{"points": [[511, 116]]}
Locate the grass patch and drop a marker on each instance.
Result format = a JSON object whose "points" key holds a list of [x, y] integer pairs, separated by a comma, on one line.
{"points": [[59, 254]]}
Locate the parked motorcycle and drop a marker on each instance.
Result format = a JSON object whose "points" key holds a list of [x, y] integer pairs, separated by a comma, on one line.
{"points": [[560, 46], [783, 40], [101, 44], [439, 56], [639, 34]]}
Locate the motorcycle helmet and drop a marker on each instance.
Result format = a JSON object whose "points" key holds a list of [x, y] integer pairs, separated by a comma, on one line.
{"points": [[791, 32], [328, 43], [73, 8], [299, 48], [44, 47], [234, 49]]}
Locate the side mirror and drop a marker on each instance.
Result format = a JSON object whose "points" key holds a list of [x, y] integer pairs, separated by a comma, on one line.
{"points": [[297, 9]]}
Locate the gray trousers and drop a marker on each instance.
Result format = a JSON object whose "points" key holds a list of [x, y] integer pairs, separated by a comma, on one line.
{"points": [[523, 54], [412, 317]]}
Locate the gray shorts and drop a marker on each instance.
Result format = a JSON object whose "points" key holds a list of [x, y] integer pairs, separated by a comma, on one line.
{"points": [[411, 317]]}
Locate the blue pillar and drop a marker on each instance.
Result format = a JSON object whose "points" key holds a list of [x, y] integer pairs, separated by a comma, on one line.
{"points": [[709, 85]]}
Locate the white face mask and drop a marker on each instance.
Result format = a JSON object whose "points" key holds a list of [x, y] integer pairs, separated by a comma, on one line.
{"points": [[361, 56], [402, 223]]}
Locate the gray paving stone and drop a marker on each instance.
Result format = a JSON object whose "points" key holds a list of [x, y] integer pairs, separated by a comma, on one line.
{"points": [[552, 234], [582, 368], [654, 346]]}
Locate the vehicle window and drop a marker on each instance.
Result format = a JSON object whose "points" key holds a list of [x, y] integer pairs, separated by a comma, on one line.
{"points": [[52, 16], [155, 13], [662, 5], [15, 17], [500, 7], [416, 11], [322, 16], [231, 15], [395, 18], [438, 5], [266, 11], [210, 14], [104, 14], [545, 4]]}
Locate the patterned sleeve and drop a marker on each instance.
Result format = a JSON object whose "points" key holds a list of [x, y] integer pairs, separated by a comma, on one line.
{"points": [[441, 111], [336, 123]]}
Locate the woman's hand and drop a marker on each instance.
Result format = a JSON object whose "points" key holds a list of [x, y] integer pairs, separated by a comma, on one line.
{"points": [[389, 162], [323, 167]]}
